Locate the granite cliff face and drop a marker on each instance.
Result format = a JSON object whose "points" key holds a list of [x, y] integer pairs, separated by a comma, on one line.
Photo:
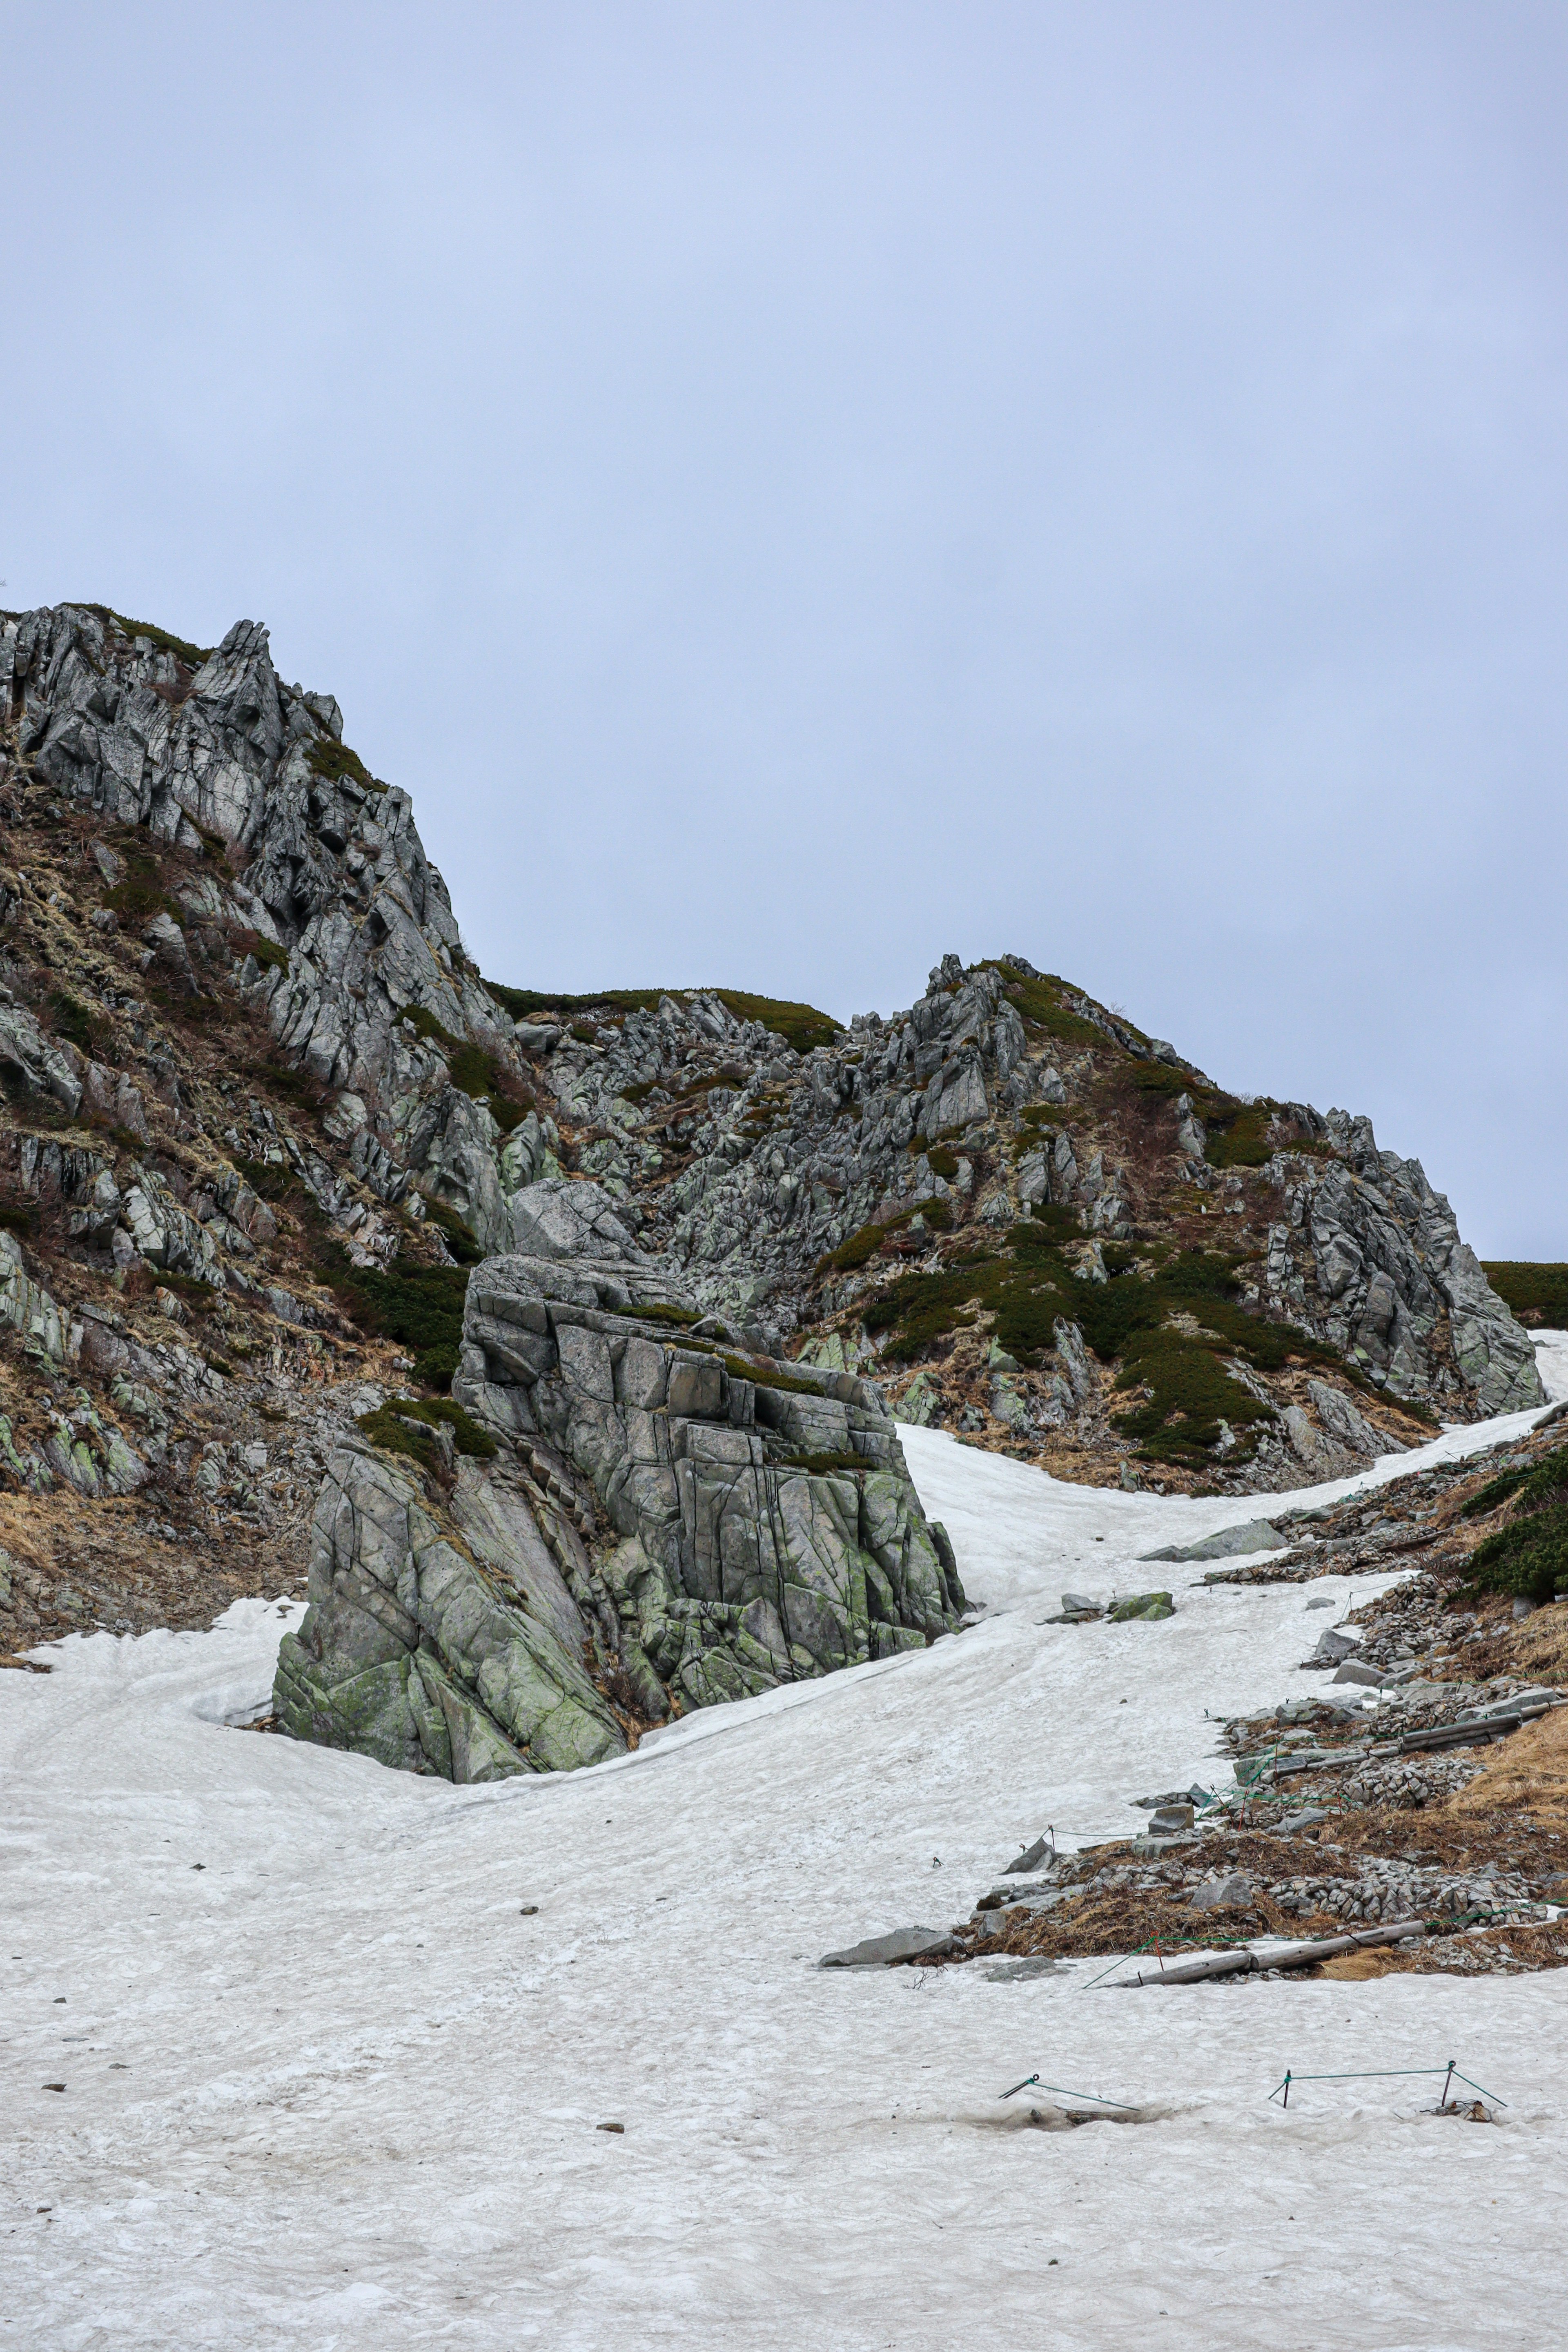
{"points": [[274, 1152]]}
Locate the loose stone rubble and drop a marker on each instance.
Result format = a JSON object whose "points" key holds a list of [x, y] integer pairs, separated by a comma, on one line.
{"points": [[1358, 1805]]}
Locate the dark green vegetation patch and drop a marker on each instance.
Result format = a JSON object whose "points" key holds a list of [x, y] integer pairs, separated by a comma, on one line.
{"points": [[283, 1077], [1528, 1555], [768, 1376], [824, 1465], [72, 1021], [392, 1427], [1129, 1318], [1160, 1078], [181, 648], [1495, 1494], [534, 1004], [459, 1241], [1537, 1294], [1239, 1136], [269, 1182], [336, 764], [1039, 1001], [676, 1316], [473, 1072], [419, 1306], [801, 1026], [863, 1246], [142, 895]]}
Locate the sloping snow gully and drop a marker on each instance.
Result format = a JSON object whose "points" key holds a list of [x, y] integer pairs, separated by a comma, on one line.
{"points": [[328, 2084]]}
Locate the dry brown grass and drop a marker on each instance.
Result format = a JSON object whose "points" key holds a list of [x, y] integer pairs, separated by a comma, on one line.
{"points": [[1525, 1778], [1508, 1952]]}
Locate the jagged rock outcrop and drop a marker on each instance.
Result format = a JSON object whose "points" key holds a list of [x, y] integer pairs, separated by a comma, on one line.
{"points": [[783, 1165], [260, 1111], [698, 1524], [216, 752], [1370, 1257]]}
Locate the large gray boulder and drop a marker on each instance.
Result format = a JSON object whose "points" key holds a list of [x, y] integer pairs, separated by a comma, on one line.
{"points": [[887, 1951], [1230, 1543], [751, 1522], [557, 1218], [665, 1523]]}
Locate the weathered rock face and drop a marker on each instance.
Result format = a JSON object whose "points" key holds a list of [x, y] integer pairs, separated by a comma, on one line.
{"points": [[440, 1640], [760, 1520], [1374, 1257], [965, 1113], [698, 1524], [331, 869]]}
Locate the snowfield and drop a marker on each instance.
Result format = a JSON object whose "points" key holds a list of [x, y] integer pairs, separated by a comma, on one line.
{"points": [[328, 2083]]}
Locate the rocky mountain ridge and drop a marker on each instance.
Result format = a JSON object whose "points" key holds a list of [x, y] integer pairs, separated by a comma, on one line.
{"points": [[264, 1114]]}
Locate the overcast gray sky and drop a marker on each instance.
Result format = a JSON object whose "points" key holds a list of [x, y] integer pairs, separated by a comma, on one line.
{"points": [[794, 490]]}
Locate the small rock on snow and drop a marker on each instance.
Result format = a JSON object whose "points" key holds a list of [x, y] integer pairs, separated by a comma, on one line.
{"points": [[1256, 1535], [886, 1951]]}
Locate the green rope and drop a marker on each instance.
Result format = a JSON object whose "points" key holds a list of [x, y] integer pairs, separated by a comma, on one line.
{"points": [[1386, 2073], [1094, 2098], [1475, 2086], [1118, 1962]]}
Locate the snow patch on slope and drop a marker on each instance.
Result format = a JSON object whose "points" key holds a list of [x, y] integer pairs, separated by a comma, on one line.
{"points": [[327, 2084]]}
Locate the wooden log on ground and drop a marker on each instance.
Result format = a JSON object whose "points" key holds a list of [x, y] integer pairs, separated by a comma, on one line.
{"points": [[1207, 1965], [1415, 1743]]}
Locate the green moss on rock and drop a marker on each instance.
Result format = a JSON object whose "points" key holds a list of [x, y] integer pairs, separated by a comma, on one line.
{"points": [[336, 764]]}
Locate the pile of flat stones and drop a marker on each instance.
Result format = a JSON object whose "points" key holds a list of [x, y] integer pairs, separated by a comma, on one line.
{"points": [[1411, 1781], [1396, 1890]]}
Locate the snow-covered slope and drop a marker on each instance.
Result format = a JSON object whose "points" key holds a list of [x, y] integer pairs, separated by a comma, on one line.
{"points": [[328, 2084]]}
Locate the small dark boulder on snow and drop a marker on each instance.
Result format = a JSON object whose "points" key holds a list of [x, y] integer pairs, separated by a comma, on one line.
{"points": [[1230, 1543], [887, 1951], [1078, 1609]]}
